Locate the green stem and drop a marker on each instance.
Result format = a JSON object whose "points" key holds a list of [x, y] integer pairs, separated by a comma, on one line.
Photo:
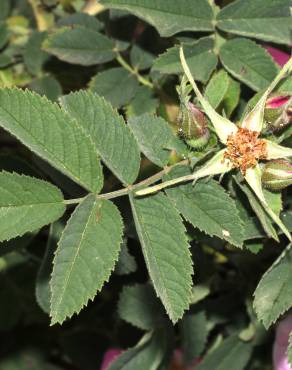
{"points": [[141, 79], [166, 184], [149, 181]]}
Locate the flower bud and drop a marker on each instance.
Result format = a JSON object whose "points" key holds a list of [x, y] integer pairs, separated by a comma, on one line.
{"points": [[193, 126], [191, 121], [278, 111], [277, 174]]}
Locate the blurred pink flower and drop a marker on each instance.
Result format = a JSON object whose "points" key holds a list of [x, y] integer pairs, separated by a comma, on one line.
{"points": [[277, 101], [177, 362], [283, 330], [279, 56], [109, 357]]}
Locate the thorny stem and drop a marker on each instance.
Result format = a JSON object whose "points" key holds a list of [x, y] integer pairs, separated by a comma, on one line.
{"points": [[130, 188], [133, 71]]}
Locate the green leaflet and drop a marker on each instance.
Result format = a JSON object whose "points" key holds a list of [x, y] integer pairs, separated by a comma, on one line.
{"points": [[207, 206], [34, 57], [274, 200], [106, 84], [80, 45], [148, 354], [230, 352], [273, 295], [43, 292], [248, 62], [126, 263], [217, 88], [194, 334], [141, 59], [5, 60], [143, 102], [139, 306], [199, 56], [251, 225], [4, 34], [286, 85], [154, 137], [48, 86], [268, 20], [231, 99], [86, 255], [169, 17], [52, 134], [166, 252], [81, 19], [26, 204], [112, 138]]}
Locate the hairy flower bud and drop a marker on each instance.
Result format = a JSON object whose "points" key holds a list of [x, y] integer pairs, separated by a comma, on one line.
{"points": [[191, 120], [277, 174], [278, 111]]}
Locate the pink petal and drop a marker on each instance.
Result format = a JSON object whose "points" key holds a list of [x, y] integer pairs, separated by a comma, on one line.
{"points": [[279, 56], [277, 101], [281, 344], [109, 357]]}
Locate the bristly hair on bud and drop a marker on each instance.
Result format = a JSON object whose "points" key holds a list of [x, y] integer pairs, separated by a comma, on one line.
{"points": [[277, 174], [278, 111], [191, 120]]}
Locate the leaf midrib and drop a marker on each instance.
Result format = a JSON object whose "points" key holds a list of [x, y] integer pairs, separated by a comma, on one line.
{"points": [[143, 242], [61, 296]]}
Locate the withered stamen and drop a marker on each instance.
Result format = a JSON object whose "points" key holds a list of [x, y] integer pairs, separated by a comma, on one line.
{"points": [[244, 149]]}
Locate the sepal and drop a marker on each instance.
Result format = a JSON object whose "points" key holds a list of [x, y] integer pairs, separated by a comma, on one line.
{"points": [[215, 166], [276, 151], [222, 126]]}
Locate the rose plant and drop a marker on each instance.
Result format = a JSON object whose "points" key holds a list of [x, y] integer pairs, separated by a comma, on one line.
{"points": [[145, 208]]}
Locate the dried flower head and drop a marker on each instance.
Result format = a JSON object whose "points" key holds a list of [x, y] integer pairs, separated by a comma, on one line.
{"points": [[244, 149]]}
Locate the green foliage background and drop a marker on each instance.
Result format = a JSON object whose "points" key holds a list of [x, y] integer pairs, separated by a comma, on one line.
{"points": [[88, 116]]}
